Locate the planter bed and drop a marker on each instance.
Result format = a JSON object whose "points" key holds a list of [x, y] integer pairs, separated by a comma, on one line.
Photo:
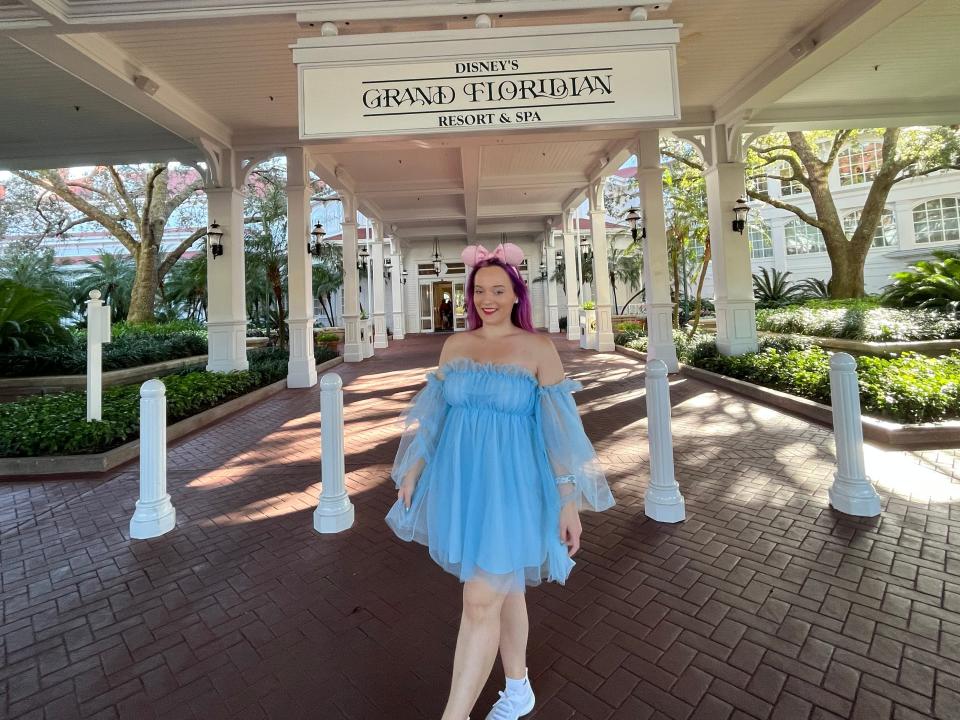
{"points": [[932, 348], [25, 468], [891, 434]]}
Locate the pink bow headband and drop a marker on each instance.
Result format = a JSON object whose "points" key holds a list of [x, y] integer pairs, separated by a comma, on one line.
{"points": [[507, 253]]}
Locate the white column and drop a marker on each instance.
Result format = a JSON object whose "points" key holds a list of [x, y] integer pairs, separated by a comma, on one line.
{"points": [[352, 350], [545, 283], [378, 288], [334, 511], [732, 272], [396, 290], [154, 514], [226, 278], [98, 332], [302, 365], [570, 253], [553, 310], [662, 501], [779, 241], [852, 492], [601, 275], [656, 282]]}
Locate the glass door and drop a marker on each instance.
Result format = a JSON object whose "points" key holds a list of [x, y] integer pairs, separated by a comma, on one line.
{"points": [[459, 306], [426, 307]]}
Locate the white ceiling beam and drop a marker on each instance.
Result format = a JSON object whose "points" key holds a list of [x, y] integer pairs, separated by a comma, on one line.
{"points": [[418, 9], [933, 111], [854, 22], [421, 215], [102, 65], [526, 182], [430, 231], [470, 168], [519, 210], [395, 190], [511, 226]]}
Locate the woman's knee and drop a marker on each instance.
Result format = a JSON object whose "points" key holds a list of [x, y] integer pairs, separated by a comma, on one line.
{"points": [[480, 601]]}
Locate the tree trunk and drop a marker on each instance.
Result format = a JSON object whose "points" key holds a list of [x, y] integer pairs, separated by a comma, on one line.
{"points": [[674, 260], [143, 294], [847, 261], [698, 304]]}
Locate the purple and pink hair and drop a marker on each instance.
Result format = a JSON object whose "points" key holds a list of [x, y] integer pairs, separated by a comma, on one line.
{"points": [[521, 315]]}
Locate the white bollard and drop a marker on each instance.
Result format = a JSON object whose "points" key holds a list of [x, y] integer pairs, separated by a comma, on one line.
{"points": [[155, 514], [98, 332], [334, 511], [852, 492], [663, 501]]}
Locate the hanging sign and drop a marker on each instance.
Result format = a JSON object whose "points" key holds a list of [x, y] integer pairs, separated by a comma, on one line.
{"points": [[489, 92]]}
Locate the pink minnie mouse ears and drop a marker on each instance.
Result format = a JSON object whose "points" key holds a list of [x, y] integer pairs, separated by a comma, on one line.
{"points": [[507, 253]]}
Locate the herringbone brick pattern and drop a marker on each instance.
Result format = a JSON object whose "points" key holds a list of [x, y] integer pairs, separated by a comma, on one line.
{"points": [[764, 604]]}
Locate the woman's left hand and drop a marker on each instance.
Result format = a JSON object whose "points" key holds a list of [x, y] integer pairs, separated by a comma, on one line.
{"points": [[570, 528]]}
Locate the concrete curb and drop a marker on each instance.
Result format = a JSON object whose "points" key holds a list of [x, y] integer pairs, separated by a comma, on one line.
{"points": [[27, 468], [924, 436]]}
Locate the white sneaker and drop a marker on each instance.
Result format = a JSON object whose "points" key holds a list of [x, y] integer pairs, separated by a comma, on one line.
{"points": [[512, 707]]}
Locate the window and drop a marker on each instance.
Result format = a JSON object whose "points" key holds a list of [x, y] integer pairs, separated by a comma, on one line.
{"points": [[859, 162], [787, 186], [696, 245], [803, 239], [761, 245], [886, 233], [937, 220], [758, 183]]}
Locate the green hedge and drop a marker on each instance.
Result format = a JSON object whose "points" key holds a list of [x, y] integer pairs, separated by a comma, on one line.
{"points": [[131, 347], [859, 320], [911, 388], [56, 424]]}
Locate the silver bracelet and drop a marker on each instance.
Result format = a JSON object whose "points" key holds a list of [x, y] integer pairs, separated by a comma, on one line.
{"points": [[567, 480]]}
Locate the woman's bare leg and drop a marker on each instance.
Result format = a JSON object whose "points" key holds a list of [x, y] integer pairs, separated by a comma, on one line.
{"points": [[476, 647], [514, 630]]}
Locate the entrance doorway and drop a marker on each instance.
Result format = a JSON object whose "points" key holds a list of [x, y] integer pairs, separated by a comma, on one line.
{"points": [[442, 307]]}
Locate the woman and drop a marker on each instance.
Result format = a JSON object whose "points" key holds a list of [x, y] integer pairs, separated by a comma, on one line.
{"points": [[492, 470]]}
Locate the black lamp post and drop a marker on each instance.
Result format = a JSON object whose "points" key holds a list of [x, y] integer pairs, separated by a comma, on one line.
{"points": [[637, 228], [362, 259]]}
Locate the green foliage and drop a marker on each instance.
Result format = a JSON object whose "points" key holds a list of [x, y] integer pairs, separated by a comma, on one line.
{"points": [[813, 288], [772, 288], [56, 424], [326, 337], [589, 305], [132, 346], [798, 372], [113, 275], [861, 320], [912, 388], [627, 332], [928, 284], [30, 318]]}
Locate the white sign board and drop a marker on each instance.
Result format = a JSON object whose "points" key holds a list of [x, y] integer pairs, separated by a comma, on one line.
{"points": [[616, 86]]}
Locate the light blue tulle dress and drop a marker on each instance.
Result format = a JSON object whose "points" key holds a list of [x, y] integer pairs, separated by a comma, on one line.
{"points": [[502, 455]]}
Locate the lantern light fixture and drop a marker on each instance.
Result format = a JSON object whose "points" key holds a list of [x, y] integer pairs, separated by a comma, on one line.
{"points": [[214, 239], [740, 212], [362, 258], [437, 257], [316, 238], [638, 228]]}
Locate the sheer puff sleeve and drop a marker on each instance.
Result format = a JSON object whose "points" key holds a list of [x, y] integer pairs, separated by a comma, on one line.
{"points": [[422, 423], [575, 466]]}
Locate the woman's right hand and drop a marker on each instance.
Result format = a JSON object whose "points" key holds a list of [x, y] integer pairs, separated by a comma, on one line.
{"points": [[405, 494]]}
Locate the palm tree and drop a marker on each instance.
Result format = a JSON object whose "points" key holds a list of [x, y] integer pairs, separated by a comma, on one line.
{"points": [[265, 244], [113, 276], [328, 277], [30, 317], [625, 266], [187, 286]]}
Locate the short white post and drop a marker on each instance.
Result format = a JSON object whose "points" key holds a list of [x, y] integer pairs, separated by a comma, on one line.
{"points": [[852, 492], [334, 511], [663, 501], [154, 514], [98, 332]]}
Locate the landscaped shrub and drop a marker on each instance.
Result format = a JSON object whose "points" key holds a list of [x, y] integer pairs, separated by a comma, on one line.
{"points": [[30, 318], [627, 332], [859, 321], [56, 424], [798, 372], [928, 284], [772, 288]]}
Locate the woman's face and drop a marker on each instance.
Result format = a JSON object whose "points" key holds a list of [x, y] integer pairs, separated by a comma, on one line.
{"points": [[493, 295]]}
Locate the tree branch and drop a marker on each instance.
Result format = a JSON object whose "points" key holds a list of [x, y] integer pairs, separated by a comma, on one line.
{"points": [[171, 257], [132, 214], [839, 140], [680, 158], [806, 217], [914, 174], [181, 197]]}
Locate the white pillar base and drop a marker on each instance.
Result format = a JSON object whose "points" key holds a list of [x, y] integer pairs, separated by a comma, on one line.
{"points": [[854, 496], [660, 335], [573, 323], [398, 326], [153, 518], [736, 326], [366, 338], [554, 324], [605, 341], [333, 515], [664, 507], [227, 346], [380, 332], [352, 350], [302, 366]]}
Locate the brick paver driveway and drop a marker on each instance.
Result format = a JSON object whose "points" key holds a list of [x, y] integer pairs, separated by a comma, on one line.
{"points": [[764, 604]]}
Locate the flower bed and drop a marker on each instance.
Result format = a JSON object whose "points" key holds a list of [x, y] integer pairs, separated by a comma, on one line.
{"points": [[56, 424], [911, 388], [859, 320]]}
